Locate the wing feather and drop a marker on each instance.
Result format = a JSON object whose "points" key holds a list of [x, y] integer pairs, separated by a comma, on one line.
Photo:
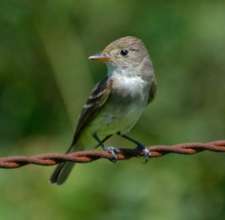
{"points": [[152, 91], [95, 102]]}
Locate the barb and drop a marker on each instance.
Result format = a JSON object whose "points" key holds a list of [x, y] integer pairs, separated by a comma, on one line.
{"points": [[51, 159]]}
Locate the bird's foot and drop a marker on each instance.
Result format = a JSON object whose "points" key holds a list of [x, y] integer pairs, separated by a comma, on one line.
{"points": [[144, 151], [113, 151]]}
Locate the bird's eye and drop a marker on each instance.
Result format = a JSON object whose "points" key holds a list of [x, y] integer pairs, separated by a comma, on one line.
{"points": [[124, 52]]}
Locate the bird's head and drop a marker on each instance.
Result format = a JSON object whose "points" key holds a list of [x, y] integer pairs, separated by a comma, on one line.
{"points": [[126, 52]]}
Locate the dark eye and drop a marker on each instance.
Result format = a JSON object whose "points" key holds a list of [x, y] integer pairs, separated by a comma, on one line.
{"points": [[124, 52]]}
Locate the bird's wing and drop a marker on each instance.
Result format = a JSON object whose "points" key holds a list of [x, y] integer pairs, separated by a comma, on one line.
{"points": [[152, 91], [95, 102]]}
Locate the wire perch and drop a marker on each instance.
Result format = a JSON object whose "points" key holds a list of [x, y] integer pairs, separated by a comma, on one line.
{"points": [[50, 159]]}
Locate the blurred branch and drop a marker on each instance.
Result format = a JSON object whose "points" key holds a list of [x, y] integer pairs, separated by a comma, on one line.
{"points": [[51, 159]]}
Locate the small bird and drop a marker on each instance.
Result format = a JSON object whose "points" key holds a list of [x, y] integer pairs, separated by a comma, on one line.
{"points": [[116, 103]]}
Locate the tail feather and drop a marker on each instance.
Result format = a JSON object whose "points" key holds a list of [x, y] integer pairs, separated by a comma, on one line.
{"points": [[61, 172]]}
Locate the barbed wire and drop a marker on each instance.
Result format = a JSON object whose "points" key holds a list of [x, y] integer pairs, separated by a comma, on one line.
{"points": [[50, 159]]}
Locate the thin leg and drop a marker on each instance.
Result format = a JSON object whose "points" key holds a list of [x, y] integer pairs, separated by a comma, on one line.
{"points": [[101, 142], [111, 150], [140, 147], [131, 139]]}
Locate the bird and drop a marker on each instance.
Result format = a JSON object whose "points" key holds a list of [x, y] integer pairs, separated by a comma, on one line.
{"points": [[116, 102]]}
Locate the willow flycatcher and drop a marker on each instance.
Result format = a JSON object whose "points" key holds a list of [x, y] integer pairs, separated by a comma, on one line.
{"points": [[116, 103]]}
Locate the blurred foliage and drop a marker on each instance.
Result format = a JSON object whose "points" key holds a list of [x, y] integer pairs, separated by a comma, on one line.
{"points": [[45, 78]]}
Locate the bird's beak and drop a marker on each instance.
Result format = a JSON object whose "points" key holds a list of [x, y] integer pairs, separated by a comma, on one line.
{"points": [[100, 57]]}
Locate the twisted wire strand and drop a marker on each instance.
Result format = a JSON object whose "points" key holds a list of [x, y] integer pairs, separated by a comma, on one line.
{"points": [[50, 159]]}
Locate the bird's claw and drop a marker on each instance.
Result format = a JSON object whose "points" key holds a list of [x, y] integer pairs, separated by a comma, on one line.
{"points": [[144, 151], [113, 151], [147, 154]]}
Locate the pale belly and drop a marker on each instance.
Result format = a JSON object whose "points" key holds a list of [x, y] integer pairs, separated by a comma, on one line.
{"points": [[113, 118], [121, 120]]}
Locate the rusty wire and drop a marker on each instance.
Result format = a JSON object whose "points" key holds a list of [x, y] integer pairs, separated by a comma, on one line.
{"points": [[50, 159]]}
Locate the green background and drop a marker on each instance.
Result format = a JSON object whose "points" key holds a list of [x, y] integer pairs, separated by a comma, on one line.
{"points": [[45, 77]]}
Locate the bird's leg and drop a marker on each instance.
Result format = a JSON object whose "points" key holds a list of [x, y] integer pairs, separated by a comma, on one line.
{"points": [[111, 150], [140, 147], [100, 143]]}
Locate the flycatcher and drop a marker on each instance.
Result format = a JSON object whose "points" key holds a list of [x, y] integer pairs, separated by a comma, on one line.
{"points": [[116, 103]]}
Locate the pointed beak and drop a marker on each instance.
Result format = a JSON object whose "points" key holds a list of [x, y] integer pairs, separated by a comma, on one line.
{"points": [[100, 57]]}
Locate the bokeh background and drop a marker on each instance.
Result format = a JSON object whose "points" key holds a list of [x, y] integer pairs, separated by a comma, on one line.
{"points": [[45, 78]]}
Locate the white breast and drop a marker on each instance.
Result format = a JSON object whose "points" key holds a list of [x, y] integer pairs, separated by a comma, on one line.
{"points": [[127, 85]]}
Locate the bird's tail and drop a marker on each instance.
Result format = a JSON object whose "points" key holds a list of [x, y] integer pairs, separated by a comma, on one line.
{"points": [[62, 171]]}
